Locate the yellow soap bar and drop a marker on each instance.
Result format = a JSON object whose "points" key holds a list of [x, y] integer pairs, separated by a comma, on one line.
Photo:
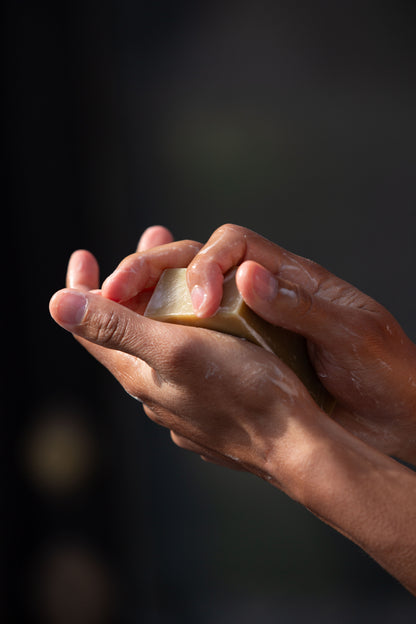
{"points": [[171, 302]]}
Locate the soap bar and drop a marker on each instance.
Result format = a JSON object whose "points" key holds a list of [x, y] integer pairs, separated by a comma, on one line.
{"points": [[171, 302]]}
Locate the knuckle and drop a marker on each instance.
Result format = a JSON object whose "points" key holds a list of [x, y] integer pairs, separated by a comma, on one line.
{"points": [[371, 335], [112, 330], [380, 329], [230, 228], [181, 357], [192, 245], [304, 301]]}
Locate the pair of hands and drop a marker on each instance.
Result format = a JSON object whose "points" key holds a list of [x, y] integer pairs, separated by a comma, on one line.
{"points": [[230, 401]]}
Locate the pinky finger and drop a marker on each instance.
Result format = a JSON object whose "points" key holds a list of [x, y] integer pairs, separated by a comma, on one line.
{"points": [[164, 418], [219, 460]]}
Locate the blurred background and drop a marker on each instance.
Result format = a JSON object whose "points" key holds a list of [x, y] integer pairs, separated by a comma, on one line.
{"points": [[295, 119]]}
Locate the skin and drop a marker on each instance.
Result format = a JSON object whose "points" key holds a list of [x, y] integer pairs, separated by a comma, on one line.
{"points": [[358, 349], [249, 411]]}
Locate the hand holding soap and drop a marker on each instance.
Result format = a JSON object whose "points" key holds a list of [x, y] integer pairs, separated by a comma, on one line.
{"points": [[171, 302]]}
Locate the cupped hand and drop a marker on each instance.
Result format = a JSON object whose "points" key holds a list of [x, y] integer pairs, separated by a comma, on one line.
{"points": [[83, 275], [231, 399], [239, 405], [143, 272], [135, 277], [358, 349]]}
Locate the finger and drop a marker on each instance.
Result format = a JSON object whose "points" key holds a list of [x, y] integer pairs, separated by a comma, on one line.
{"points": [[231, 245], [154, 236], [83, 274], [108, 324], [165, 418], [83, 271], [223, 463], [141, 271], [160, 415], [186, 444], [293, 307]]}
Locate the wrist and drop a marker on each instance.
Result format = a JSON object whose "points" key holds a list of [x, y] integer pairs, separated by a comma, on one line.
{"points": [[294, 464], [363, 494]]}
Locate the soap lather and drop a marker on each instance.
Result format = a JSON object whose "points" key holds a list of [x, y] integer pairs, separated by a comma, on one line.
{"points": [[171, 302]]}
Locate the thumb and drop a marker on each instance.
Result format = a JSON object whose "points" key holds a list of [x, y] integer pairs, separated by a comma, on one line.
{"points": [[291, 306], [108, 324]]}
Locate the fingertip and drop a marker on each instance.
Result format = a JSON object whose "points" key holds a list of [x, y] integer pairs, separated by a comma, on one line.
{"points": [[111, 289], [83, 270], [54, 301], [122, 283], [82, 259], [68, 308], [84, 254], [205, 288], [253, 278], [154, 236], [262, 282], [205, 301], [244, 272], [199, 298], [244, 279]]}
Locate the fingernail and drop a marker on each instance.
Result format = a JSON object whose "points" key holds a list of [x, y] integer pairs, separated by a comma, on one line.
{"points": [[264, 284], [72, 308], [198, 298]]}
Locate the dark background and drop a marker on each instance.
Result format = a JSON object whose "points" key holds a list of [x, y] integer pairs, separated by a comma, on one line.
{"points": [[296, 119]]}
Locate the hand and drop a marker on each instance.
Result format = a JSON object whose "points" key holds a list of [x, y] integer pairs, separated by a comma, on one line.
{"points": [[236, 410], [358, 349], [83, 275], [248, 411], [144, 270], [156, 252]]}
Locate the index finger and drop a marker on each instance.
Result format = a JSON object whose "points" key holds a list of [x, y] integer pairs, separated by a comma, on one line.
{"points": [[229, 246], [141, 270]]}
